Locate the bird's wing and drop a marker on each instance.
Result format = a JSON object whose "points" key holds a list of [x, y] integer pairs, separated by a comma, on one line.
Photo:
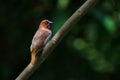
{"points": [[39, 39], [48, 38]]}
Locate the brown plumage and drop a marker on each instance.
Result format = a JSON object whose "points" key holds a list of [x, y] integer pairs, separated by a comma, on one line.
{"points": [[40, 39]]}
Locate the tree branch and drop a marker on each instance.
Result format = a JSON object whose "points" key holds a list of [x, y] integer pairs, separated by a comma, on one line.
{"points": [[27, 72]]}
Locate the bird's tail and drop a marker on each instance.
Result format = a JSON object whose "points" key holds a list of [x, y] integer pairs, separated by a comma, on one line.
{"points": [[33, 54]]}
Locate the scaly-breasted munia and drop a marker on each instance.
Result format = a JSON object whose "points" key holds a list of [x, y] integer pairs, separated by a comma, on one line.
{"points": [[40, 39]]}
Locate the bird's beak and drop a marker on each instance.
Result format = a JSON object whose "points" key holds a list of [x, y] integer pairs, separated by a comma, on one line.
{"points": [[49, 23]]}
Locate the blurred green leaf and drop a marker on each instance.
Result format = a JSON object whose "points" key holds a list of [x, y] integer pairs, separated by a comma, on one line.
{"points": [[109, 24], [79, 44], [62, 4], [103, 66]]}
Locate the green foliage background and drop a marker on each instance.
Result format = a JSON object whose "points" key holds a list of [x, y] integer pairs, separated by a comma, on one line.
{"points": [[91, 51]]}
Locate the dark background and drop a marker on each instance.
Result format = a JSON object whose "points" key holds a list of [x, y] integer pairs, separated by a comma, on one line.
{"points": [[91, 50]]}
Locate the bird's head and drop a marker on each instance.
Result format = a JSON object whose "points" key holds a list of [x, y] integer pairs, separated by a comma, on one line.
{"points": [[46, 24]]}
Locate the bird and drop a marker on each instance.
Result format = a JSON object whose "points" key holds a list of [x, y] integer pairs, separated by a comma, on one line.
{"points": [[40, 39]]}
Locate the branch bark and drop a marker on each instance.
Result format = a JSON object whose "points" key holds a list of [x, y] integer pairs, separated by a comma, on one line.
{"points": [[67, 26]]}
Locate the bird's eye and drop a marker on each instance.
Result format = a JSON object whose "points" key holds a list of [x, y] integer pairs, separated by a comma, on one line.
{"points": [[46, 23]]}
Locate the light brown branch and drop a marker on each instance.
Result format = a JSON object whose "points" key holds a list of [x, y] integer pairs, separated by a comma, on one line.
{"points": [[27, 72]]}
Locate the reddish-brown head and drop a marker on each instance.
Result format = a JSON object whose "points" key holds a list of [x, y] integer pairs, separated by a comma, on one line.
{"points": [[45, 24]]}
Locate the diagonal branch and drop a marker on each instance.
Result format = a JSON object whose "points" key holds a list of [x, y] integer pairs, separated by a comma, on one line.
{"points": [[67, 26]]}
